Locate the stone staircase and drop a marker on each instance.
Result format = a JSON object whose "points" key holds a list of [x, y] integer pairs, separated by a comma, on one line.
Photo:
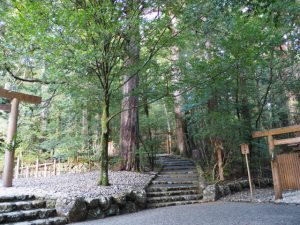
{"points": [[26, 210], [176, 184]]}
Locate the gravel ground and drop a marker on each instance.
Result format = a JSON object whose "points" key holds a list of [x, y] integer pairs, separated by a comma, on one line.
{"points": [[263, 195], [78, 185]]}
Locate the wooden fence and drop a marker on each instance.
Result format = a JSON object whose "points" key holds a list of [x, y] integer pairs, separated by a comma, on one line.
{"points": [[289, 170], [37, 170]]}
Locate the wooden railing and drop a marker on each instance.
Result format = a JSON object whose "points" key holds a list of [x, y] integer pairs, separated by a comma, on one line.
{"points": [[37, 170]]}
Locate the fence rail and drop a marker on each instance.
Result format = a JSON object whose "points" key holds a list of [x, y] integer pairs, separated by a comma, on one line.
{"points": [[37, 170]]}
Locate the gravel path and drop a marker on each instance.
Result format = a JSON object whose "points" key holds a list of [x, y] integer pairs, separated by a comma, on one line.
{"points": [[263, 195], [78, 185], [217, 213]]}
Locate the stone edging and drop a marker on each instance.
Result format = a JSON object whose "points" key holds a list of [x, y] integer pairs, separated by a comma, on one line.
{"points": [[215, 191], [81, 209]]}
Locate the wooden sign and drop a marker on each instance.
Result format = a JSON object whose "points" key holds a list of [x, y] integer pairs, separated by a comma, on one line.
{"points": [[20, 96], [245, 149], [5, 107]]}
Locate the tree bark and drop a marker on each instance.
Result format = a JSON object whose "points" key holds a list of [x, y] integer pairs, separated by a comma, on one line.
{"points": [[218, 151], [245, 110], [129, 125], [85, 129], [104, 138], [129, 116], [178, 99], [215, 140], [169, 139]]}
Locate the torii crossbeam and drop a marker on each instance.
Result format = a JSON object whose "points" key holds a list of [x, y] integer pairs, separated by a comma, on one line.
{"points": [[13, 108]]}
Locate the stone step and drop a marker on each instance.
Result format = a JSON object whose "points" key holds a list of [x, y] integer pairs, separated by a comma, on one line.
{"points": [[171, 187], [178, 168], [194, 178], [177, 172], [48, 221], [177, 162], [10, 198], [174, 198], [26, 215], [21, 205], [171, 193], [175, 181], [164, 204], [185, 175]]}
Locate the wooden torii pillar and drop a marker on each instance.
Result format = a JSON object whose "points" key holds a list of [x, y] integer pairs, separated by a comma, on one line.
{"points": [[272, 143], [13, 108]]}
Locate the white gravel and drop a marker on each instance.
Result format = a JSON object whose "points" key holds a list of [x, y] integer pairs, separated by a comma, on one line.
{"points": [[290, 197], [263, 195], [78, 185]]}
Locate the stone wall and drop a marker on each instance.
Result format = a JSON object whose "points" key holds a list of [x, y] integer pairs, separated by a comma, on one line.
{"points": [[215, 191], [80, 209]]}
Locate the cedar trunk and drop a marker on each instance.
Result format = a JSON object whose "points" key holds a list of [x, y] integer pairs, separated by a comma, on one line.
{"points": [[129, 115], [180, 126], [178, 99], [129, 125]]}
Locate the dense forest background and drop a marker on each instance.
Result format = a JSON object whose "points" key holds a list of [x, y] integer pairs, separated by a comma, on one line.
{"points": [[191, 77]]}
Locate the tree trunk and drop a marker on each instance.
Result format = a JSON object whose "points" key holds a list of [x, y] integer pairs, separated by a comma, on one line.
{"points": [[215, 140], [245, 110], [129, 125], [178, 99], [180, 126], [218, 151], [104, 138], [129, 116], [85, 130], [169, 139]]}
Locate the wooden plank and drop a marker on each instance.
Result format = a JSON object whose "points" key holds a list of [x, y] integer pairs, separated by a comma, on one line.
{"points": [[287, 141], [5, 107], [276, 131], [289, 166], [20, 96]]}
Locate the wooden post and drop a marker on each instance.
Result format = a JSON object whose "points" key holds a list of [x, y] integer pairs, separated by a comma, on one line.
{"points": [[45, 170], [220, 163], [37, 168], [275, 171], [27, 172], [17, 168], [9, 153], [58, 171], [245, 151], [249, 176], [21, 169], [54, 167], [15, 97]]}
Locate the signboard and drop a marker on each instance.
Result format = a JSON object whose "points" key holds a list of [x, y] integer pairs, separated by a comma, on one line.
{"points": [[245, 149]]}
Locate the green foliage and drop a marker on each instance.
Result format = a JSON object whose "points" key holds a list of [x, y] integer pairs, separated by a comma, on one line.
{"points": [[234, 78], [14, 144]]}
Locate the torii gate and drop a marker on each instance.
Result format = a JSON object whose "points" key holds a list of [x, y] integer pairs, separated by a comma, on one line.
{"points": [[13, 108], [272, 143]]}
